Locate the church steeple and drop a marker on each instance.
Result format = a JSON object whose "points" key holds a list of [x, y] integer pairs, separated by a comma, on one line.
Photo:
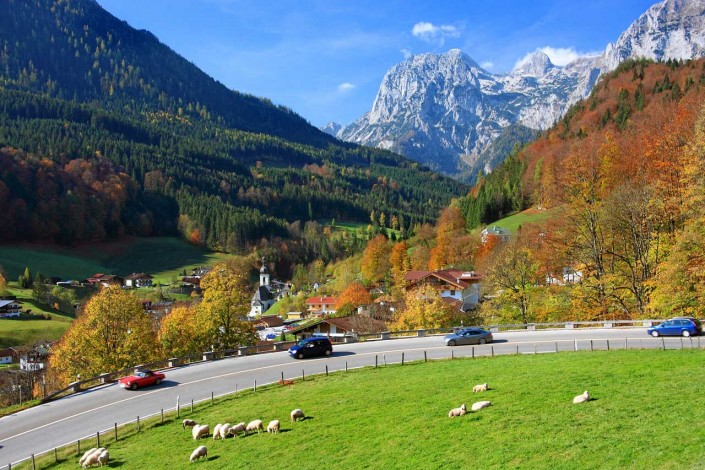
{"points": [[263, 274]]}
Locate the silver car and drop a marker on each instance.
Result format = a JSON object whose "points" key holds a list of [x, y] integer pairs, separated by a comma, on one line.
{"points": [[468, 336]]}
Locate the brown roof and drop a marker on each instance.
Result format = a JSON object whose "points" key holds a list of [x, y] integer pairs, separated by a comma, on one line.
{"points": [[139, 276], [413, 276], [270, 321], [7, 352], [321, 300], [453, 277]]}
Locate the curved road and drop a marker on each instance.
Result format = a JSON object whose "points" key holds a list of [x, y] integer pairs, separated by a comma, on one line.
{"points": [[54, 424]]}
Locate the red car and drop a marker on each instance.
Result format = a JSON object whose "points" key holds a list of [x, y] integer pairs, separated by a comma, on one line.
{"points": [[141, 379]]}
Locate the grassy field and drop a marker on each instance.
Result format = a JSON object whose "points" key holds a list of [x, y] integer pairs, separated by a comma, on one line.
{"points": [[163, 257], [531, 215], [396, 417]]}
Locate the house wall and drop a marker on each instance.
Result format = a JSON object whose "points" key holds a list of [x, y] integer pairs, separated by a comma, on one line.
{"points": [[6, 360]]}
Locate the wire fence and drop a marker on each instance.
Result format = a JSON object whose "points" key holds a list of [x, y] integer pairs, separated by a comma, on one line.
{"points": [[119, 431]]}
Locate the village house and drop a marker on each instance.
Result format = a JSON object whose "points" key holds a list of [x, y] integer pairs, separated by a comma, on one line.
{"points": [[138, 280], [321, 305], [105, 280], [7, 356], [34, 358], [501, 233], [10, 308], [339, 327], [460, 288]]}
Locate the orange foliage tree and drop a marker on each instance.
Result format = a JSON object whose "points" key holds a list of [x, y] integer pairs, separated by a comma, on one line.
{"points": [[355, 295], [374, 265]]}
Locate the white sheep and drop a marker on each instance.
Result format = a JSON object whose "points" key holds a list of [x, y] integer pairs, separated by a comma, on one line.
{"points": [[91, 457], [86, 454], [582, 398], [200, 451], [458, 411], [255, 425], [296, 414], [200, 431], [188, 423], [104, 458], [216, 431], [224, 430], [273, 426], [237, 429], [480, 388], [480, 405]]}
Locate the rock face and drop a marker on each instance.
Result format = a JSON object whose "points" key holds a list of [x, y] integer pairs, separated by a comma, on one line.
{"points": [[332, 128], [444, 110]]}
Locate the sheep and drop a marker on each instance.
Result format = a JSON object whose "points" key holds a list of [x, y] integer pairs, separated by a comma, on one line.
{"points": [[188, 423], [86, 454], [585, 396], [480, 388], [273, 426], [216, 431], [237, 429], [480, 405], [201, 451], [296, 414], [200, 431], [255, 425], [224, 430], [458, 411], [104, 458]]}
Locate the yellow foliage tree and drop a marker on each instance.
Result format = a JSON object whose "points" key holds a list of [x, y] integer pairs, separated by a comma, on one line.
{"points": [[375, 259], [113, 332], [424, 308], [178, 332], [400, 262]]}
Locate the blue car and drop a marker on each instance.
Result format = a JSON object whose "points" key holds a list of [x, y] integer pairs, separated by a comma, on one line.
{"points": [[678, 326], [310, 347]]}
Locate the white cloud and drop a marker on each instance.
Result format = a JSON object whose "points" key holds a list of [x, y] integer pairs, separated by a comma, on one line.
{"points": [[430, 32], [345, 87], [406, 53], [487, 65], [559, 55]]}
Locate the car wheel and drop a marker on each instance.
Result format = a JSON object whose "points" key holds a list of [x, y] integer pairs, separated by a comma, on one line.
{"points": [[451, 343], [654, 334], [299, 356], [328, 352], [686, 333], [158, 381], [133, 387], [482, 341]]}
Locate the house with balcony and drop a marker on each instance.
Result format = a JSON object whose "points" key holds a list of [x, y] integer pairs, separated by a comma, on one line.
{"points": [[321, 305], [138, 280], [10, 308], [460, 288]]}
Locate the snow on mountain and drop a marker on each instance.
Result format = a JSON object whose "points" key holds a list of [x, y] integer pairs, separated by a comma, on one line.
{"points": [[444, 110], [332, 128]]}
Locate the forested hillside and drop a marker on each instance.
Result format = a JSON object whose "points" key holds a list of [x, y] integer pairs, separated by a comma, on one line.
{"points": [[82, 91]]}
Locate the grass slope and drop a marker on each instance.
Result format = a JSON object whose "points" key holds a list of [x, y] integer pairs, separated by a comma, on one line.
{"points": [[396, 417], [533, 215], [162, 257]]}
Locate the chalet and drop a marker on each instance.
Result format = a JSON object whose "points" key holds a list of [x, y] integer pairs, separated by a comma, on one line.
{"points": [[321, 305], [36, 357], [269, 321], [7, 356], [339, 327], [10, 308], [570, 276], [462, 286], [501, 233], [138, 280], [105, 280]]}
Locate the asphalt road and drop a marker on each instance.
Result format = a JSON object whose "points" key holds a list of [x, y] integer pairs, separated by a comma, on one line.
{"points": [[54, 424]]}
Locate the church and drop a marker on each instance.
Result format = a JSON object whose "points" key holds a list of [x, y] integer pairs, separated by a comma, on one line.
{"points": [[267, 293]]}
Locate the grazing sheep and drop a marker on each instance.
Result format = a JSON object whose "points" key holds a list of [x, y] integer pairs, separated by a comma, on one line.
{"points": [[273, 426], [92, 459], [480, 405], [585, 396], [200, 451], [200, 431], [188, 423], [296, 414], [458, 411], [255, 425], [480, 388], [224, 430], [216, 431], [104, 458], [86, 454], [237, 429]]}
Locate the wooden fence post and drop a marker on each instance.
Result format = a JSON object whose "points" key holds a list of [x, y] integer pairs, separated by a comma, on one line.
{"points": [[97, 437], [303, 375], [56, 455], [162, 415], [608, 345], [375, 361], [346, 366], [191, 405], [34, 464], [326, 370], [78, 447], [255, 389], [116, 437], [212, 398], [425, 359], [138, 424]]}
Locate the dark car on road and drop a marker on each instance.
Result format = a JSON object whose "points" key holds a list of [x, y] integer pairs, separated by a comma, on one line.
{"points": [[468, 336], [678, 326], [311, 347]]}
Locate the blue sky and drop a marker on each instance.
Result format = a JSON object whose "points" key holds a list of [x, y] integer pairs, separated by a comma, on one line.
{"points": [[325, 59]]}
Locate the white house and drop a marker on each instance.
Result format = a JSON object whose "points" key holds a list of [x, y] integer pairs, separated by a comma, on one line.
{"points": [[502, 233], [461, 286], [10, 308], [138, 280]]}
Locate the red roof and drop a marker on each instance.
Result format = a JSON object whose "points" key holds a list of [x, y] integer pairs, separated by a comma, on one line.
{"points": [[412, 276], [453, 277], [321, 300]]}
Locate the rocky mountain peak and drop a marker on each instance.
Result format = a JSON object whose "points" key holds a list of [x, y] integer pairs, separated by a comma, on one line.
{"points": [[536, 64]]}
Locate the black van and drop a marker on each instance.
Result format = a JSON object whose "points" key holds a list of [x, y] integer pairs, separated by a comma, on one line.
{"points": [[310, 347]]}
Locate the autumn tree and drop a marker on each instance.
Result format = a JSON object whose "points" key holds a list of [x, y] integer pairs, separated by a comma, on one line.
{"points": [[355, 295], [226, 301], [425, 309], [399, 263], [113, 332], [179, 334], [375, 259], [450, 228]]}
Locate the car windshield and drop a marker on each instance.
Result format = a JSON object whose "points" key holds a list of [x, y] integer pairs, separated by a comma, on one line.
{"points": [[302, 342]]}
